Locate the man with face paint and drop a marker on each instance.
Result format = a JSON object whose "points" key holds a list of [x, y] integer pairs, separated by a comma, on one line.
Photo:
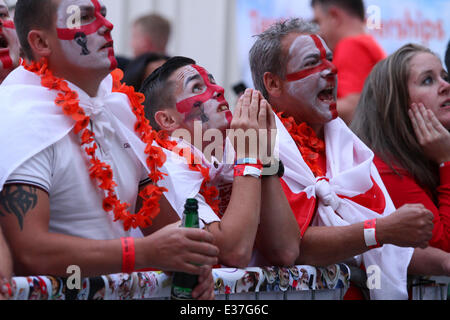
{"points": [[343, 27], [253, 212], [9, 44], [51, 211], [335, 191]]}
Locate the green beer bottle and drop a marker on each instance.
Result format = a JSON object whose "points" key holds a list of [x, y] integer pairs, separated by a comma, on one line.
{"points": [[183, 283]]}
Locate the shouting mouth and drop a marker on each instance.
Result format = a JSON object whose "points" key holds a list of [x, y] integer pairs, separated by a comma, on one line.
{"points": [[327, 95], [3, 42]]}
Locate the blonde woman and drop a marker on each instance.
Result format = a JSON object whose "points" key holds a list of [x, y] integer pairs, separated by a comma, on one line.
{"points": [[404, 117]]}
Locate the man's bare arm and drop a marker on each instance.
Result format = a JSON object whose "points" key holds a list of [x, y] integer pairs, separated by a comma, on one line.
{"points": [[37, 251], [278, 237], [410, 226]]}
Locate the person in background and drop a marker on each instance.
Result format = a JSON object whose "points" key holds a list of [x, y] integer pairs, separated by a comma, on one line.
{"points": [[140, 68], [408, 95], [151, 33], [343, 27]]}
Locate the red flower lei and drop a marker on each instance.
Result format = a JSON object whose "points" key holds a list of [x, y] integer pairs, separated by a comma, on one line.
{"points": [[210, 193], [101, 172], [307, 142]]}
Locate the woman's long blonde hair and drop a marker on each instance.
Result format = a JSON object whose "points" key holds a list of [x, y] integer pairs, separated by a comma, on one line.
{"points": [[381, 119]]}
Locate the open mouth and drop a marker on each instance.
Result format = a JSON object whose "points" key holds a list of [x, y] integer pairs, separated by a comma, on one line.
{"points": [[223, 107], [3, 42], [108, 45], [327, 95], [446, 104]]}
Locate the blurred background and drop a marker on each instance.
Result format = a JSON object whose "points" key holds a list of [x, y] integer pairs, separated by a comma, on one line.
{"points": [[218, 33]]}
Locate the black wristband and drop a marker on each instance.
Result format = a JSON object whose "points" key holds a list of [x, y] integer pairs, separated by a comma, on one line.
{"points": [[279, 173]]}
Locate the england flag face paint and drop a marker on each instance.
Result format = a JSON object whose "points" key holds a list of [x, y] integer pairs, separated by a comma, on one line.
{"points": [[9, 44], [199, 98], [311, 77], [85, 34]]}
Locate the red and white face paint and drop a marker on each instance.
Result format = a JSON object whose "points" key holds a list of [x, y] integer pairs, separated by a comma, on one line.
{"points": [[9, 44], [201, 99], [311, 75], [89, 44]]}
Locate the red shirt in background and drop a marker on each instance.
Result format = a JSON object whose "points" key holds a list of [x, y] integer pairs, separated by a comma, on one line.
{"points": [[404, 189], [354, 58]]}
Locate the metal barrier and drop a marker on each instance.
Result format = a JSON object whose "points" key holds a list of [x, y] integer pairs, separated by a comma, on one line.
{"points": [[271, 283], [430, 288]]}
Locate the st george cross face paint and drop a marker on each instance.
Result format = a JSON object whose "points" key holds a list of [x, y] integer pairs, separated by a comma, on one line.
{"points": [[88, 44], [199, 98], [9, 44], [311, 77]]}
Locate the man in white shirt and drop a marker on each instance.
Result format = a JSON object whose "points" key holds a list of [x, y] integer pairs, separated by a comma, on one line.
{"points": [[184, 100], [52, 212]]}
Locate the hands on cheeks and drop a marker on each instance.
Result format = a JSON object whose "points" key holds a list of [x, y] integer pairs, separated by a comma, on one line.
{"points": [[431, 134]]}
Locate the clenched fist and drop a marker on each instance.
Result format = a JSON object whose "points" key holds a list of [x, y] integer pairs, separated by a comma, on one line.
{"points": [[409, 226]]}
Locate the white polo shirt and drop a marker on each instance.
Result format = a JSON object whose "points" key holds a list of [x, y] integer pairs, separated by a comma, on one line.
{"points": [[62, 170]]}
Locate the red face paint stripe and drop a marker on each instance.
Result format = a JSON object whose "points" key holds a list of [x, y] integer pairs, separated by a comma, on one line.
{"points": [[100, 21], [185, 106], [319, 45], [6, 61], [324, 65], [8, 24]]}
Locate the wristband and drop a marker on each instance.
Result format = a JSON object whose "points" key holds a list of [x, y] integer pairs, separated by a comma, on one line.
{"points": [[370, 234], [268, 172], [128, 255], [445, 164], [248, 161], [248, 170]]}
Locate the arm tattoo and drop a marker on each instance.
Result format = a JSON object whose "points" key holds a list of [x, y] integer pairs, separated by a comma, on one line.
{"points": [[18, 200]]}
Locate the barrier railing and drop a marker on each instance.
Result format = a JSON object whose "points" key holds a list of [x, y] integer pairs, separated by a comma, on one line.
{"points": [[271, 283]]}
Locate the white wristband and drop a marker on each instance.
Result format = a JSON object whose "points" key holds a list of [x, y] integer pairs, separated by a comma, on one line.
{"points": [[253, 172], [369, 237]]}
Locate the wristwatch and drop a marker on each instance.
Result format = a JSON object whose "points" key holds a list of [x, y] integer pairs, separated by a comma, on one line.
{"points": [[268, 170]]}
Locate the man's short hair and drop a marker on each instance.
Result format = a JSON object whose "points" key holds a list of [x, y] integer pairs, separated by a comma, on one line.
{"points": [[353, 7], [155, 27], [267, 54], [158, 90], [29, 15]]}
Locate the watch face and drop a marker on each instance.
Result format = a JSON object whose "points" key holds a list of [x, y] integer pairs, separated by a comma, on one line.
{"points": [[274, 169]]}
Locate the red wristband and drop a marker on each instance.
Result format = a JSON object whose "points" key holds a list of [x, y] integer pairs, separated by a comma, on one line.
{"points": [[370, 234], [445, 164], [128, 255]]}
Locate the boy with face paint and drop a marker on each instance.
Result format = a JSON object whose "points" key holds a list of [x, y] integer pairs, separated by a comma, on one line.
{"points": [[254, 212], [335, 191], [51, 211], [9, 44]]}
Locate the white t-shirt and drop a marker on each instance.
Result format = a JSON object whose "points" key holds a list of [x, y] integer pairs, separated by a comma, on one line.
{"points": [[75, 201]]}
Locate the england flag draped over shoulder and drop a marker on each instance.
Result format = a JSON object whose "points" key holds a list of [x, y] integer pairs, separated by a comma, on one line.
{"points": [[352, 192]]}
